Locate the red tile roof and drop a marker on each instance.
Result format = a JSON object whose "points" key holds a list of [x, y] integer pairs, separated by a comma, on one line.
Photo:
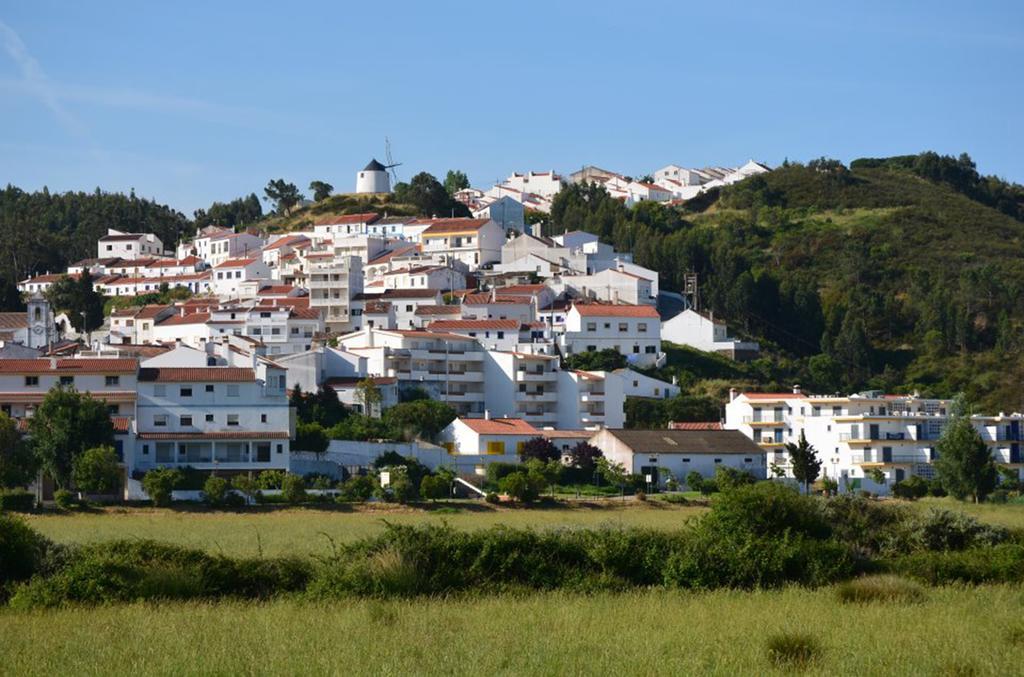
{"points": [[276, 290], [439, 227], [457, 325], [602, 310], [694, 425], [437, 310], [500, 426], [82, 365], [192, 318], [236, 263], [196, 374], [347, 219], [286, 241]]}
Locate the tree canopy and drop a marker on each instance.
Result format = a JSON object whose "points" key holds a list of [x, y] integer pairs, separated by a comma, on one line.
{"points": [[429, 197], [77, 297], [283, 195], [455, 181], [321, 190], [804, 459], [64, 425], [965, 466]]}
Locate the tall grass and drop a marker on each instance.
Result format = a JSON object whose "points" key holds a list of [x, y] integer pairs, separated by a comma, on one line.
{"points": [[653, 632]]}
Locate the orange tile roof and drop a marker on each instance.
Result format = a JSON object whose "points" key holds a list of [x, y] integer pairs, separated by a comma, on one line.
{"points": [[439, 227], [368, 217], [437, 310], [236, 263], [69, 365], [192, 318], [694, 425], [500, 426], [456, 325], [602, 310], [196, 374]]}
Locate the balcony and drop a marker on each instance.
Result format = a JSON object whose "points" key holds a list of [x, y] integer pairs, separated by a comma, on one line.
{"points": [[533, 376], [547, 396], [592, 397], [890, 459], [764, 420]]}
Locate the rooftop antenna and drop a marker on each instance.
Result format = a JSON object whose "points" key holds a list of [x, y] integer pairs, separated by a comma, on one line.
{"points": [[391, 164]]}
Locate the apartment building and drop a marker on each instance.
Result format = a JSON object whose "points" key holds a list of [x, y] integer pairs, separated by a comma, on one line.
{"points": [[704, 332], [332, 284], [135, 325], [24, 383], [522, 386], [855, 434], [332, 227], [231, 276], [405, 303], [212, 418], [448, 366]]}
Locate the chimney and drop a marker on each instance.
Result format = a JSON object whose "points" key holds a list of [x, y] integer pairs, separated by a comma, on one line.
{"points": [[487, 414], [796, 388], [53, 363], [732, 394]]}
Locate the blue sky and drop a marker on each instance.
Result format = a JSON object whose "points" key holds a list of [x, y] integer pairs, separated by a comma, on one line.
{"points": [[191, 102]]}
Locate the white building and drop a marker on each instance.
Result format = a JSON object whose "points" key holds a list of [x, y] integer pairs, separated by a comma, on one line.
{"points": [[474, 242], [546, 184], [648, 452], [229, 277], [123, 245], [690, 328], [897, 434], [505, 211], [332, 285], [333, 227], [405, 304], [226, 246], [634, 331], [500, 439], [211, 418], [24, 383]]}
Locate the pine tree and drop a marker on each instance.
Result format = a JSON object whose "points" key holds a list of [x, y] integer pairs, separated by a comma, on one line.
{"points": [[804, 459], [965, 466]]}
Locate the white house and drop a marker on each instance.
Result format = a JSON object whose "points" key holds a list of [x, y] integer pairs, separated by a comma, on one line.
{"points": [[475, 242], [227, 246], [703, 332], [24, 383], [547, 184], [405, 302], [634, 331], [649, 452], [500, 439], [331, 227], [123, 245], [229, 276]]}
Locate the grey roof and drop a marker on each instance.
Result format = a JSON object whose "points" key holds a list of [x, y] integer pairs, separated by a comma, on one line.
{"points": [[374, 166], [686, 441]]}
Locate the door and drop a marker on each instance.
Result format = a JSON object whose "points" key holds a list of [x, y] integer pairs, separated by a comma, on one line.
{"points": [[873, 432]]}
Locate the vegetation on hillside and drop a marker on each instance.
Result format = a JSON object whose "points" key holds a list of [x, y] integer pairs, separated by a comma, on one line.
{"points": [[879, 276]]}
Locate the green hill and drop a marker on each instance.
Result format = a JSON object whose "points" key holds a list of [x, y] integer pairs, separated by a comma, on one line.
{"points": [[871, 277]]}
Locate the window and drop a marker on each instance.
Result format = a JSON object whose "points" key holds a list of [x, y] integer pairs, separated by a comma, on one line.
{"points": [[186, 392], [209, 387], [67, 380], [591, 349], [232, 419], [591, 326], [623, 326], [263, 418], [112, 380], [495, 447], [31, 380], [232, 390], [280, 448], [607, 325], [209, 418], [718, 460], [748, 460], [641, 327], [145, 450], [636, 349], [263, 452], [160, 420], [186, 421], [650, 350]]}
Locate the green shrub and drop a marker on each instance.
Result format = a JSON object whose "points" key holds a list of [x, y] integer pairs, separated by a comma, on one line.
{"points": [[793, 650], [233, 499], [435, 487], [270, 479], [935, 488], [768, 509], [997, 564], [879, 589], [911, 489], [160, 482], [125, 571], [998, 496], [64, 499], [215, 490], [522, 486], [293, 489], [22, 550], [947, 530], [728, 478], [17, 501], [677, 499], [492, 498], [498, 471], [357, 488]]}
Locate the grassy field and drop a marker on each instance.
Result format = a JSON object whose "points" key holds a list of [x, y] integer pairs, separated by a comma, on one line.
{"points": [[954, 631], [311, 530]]}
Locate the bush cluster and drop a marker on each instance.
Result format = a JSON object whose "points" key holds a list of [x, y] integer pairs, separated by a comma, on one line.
{"points": [[755, 536], [15, 500]]}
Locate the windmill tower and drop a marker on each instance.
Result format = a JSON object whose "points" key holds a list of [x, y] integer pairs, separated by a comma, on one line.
{"points": [[375, 177]]}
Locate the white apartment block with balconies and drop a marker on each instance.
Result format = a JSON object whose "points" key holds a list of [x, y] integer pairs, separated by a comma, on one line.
{"points": [[332, 284], [853, 435], [230, 276], [212, 418], [523, 386], [24, 383]]}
